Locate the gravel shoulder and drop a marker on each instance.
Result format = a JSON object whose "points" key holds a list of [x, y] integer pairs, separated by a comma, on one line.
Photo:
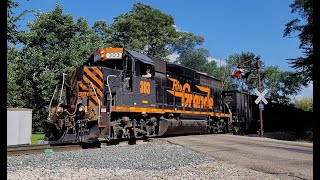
{"points": [[151, 160]]}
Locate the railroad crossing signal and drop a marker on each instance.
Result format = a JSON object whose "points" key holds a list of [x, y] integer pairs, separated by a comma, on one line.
{"points": [[261, 96]]}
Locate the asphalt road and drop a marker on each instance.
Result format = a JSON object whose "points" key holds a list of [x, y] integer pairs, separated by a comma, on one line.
{"points": [[266, 155]]}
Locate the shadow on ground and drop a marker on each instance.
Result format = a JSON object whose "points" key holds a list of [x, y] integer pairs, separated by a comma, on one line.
{"points": [[306, 136]]}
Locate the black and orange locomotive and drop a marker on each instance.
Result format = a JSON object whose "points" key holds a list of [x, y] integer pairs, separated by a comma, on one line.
{"points": [[122, 94]]}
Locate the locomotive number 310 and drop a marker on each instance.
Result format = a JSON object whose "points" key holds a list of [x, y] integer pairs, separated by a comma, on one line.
{"points": [[144, 87]]}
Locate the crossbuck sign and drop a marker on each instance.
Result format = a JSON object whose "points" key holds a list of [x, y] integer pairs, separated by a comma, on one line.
{"points": [[261, 96]]}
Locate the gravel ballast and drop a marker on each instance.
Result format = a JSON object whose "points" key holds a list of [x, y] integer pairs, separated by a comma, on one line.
{"points": [[152, 160]]}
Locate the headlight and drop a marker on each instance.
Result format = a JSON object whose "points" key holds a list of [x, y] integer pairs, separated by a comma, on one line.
{"points": [[81, 108], [60, 109]]}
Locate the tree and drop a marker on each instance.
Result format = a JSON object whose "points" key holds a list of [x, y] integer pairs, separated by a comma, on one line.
{"points": [[14, 95], [12, 27], [280, 84], [305, 103], [185, 42], [103, 31], [144, 29], [54, 45], [194, 59], [236, 60], [303, 64], [190, 56]]}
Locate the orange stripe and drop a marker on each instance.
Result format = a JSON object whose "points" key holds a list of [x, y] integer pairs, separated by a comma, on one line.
{"points": [[72, 80], [93, 77], [97, 70], [96, 99], [91, 104], [84, 87], [99, 92], [155, 110]]}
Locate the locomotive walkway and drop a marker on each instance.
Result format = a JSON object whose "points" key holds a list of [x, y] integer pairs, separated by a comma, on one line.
{"points": [[261, 154]]}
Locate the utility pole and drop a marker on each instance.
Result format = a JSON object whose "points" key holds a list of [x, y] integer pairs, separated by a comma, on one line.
{"points": [[259, 89]]}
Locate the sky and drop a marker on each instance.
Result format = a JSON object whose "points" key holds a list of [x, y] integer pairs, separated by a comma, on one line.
{"points": [[227, 26]]}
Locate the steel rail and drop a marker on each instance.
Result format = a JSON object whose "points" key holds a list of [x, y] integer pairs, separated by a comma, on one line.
{"points": [[36, 149]]}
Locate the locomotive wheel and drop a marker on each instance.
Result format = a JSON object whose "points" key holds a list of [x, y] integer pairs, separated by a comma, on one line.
{"points": [[209, 130], [132, 139], [221, 125], [215, 129], [53, 135]]}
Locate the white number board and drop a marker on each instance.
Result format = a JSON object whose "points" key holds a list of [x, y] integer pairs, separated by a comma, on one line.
{"points": [[114, 55]]}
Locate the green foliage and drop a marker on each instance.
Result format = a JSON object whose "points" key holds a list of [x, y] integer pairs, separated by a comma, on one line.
{"points": [[13, 34], [224, 74], [304, 27], [194, 59], [280, 84], [14, 97], [35, 138], [104, 33], [11, 20], [185, 42], [244, 59], [144, 29], [54, 45], [305, 103], [189, 56]]}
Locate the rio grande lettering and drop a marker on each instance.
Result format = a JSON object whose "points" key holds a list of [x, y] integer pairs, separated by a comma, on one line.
{"points": [[188, 99]]}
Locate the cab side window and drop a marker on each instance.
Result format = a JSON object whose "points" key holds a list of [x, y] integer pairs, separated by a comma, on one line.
{"points": [[144, 70]]}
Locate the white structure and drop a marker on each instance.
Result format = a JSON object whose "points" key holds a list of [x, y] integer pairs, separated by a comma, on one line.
{"points": [[19, 126]]}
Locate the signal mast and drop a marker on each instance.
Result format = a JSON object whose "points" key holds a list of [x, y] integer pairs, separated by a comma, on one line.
{"points": [[246, 72]]}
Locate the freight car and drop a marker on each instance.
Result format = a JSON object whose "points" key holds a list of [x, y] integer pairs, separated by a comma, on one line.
{"points": [[241, 106], [122, 94], [276, 117]]}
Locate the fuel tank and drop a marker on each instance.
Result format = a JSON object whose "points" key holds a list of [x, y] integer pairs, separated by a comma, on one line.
{"points": [[181, 126]]}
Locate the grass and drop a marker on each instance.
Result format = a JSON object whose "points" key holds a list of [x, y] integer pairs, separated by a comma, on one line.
{"points": [[35, 137]]}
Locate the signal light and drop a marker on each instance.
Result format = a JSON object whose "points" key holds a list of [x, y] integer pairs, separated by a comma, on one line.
{"points": [[238, 73], [242, 74]]}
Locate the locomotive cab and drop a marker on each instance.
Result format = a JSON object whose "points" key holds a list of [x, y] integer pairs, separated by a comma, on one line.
{"points": [[127, 74]]}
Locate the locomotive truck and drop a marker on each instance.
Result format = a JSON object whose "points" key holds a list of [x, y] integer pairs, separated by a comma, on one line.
{"points": [[122, 94]]}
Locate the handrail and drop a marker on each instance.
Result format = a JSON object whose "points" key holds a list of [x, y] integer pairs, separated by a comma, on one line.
{"points": [[99, 111], [54, 92], [230, 112], [110, 101], [63, 74]]}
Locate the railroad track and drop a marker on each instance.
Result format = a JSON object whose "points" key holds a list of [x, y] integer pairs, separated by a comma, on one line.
{"points": [[36, 149]]}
